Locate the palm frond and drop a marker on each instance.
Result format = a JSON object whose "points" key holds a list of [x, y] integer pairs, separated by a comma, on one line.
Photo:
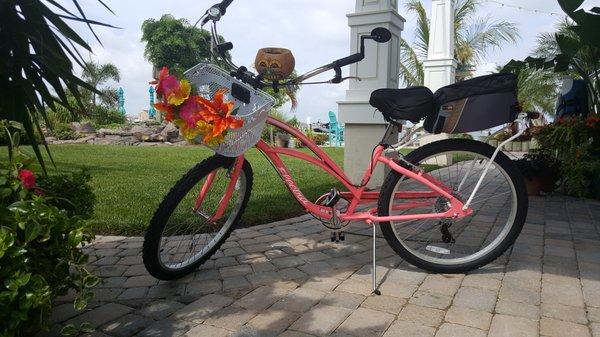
{"points": [[547, 46], [463, 10], [96, 73], [411, 67], [538, 89], [36, 59], [421, 42], [485, 34]]}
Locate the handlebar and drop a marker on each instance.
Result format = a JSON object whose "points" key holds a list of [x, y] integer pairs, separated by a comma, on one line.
{"points": [[214, 14], [349, 60], [223, 6]]}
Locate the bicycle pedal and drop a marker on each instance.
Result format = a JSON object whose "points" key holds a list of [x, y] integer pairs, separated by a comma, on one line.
{"points": [[332, 198], [337, 237]]}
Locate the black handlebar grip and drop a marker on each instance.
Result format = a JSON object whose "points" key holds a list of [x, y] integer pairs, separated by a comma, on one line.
{"points": [[223, 5], [349, 60]]}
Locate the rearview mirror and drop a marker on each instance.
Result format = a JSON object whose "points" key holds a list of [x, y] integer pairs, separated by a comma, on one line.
{"points": [[381, 35]]}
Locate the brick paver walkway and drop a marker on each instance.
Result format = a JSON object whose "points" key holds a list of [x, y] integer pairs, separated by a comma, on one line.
{"points": [[287, 278]]}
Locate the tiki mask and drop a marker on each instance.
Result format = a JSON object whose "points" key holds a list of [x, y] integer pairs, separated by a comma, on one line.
{"points": [[275, 64]]}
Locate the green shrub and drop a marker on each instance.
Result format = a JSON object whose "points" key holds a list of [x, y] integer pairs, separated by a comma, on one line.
{"points": [[76, 187], [576, 143], [23, 137], [63, 131], [40, 255], [462, 136], [101, 115], [502, 136], [112, 126], [319, 138]]}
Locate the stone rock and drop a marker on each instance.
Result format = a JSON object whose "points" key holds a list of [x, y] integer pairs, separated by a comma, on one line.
{"points": [[103, 141], [84, 140], [141, 132], [61, 142], [170, 132], [180, 143], [129, 140], [50, 139], [117, 132], [156, 137], [83, 127]]}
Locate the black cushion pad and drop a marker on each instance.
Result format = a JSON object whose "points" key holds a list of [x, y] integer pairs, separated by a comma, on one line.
{"points": [[411, 104]]}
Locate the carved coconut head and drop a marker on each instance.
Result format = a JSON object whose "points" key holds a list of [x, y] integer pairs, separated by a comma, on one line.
{"points": [[274, 64]]}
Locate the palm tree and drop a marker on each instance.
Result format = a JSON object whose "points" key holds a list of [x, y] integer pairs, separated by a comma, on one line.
{"points": [[537, 90], [474, 38], [97, 74], [583, 62]]}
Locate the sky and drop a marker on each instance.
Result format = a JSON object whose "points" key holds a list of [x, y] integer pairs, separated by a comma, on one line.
{"points": [[315, 30]]}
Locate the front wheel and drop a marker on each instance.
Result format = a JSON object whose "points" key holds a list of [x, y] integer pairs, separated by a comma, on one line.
{"points": [[450, 245], [187, 229]]}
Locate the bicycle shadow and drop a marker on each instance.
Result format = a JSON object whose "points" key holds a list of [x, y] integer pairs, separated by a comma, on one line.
{"points": [[295, 282]]}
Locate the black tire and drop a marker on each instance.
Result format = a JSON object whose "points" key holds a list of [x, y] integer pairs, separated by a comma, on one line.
{"points": [[431, 149], [152, 239]]}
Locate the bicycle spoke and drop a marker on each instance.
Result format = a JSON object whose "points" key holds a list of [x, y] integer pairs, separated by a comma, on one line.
{"points": [[459, 239], [189, 234]]}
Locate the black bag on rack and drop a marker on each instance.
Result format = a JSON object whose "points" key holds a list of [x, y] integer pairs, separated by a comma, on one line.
{"points": [[476, 104]]}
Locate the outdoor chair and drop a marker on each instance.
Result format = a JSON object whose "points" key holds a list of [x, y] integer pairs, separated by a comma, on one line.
{"points": [[336, 131]]}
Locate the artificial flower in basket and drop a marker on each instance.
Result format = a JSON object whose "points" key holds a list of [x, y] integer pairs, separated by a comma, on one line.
{"points": [[198, 118]]}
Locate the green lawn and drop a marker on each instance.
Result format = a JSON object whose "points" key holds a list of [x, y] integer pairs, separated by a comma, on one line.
{"points": [[130, 182]]}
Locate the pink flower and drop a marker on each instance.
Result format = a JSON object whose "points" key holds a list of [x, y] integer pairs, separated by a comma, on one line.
{"points": [[27, 179], [166, 83], [190, 112]]}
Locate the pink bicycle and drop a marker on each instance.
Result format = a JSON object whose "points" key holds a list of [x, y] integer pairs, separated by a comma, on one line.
{"points": [[448, 206]]}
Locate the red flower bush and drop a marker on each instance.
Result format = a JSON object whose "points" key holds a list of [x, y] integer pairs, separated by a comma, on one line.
{"points": [[27, 179]]}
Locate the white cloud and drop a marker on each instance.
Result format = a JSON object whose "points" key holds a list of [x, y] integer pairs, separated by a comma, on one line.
{"points": [[316, 31], [486, 69]]}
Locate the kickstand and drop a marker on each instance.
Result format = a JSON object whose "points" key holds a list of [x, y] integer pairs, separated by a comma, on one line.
{"points": [[374, 266]]}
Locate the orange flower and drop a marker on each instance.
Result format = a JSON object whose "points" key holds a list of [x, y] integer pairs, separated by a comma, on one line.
{"points": [[218, 114], [166, 108], [217, 105]]}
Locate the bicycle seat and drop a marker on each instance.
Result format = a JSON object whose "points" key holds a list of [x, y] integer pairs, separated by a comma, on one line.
{"points": [[413, 103]]}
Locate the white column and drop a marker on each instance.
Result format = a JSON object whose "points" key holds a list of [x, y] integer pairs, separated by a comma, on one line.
{"points": [[363, 127], [440, 67]]}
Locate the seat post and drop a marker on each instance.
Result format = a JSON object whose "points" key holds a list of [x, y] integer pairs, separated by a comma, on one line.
{"points": [[390, 130]]}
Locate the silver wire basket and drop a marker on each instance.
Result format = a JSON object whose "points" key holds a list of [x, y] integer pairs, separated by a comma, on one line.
{"points": [[208, 79]]}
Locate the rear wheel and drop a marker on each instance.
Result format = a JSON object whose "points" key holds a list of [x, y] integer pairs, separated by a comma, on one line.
{"points": [[456, 245], [182, 233]]}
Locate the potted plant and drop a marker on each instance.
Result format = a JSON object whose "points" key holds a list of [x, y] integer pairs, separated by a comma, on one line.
{"points": [[517, 146], [282, 139], [500, 137], [541, 172]]}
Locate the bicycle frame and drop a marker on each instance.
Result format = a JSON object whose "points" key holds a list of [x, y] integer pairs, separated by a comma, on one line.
{"points": [[355, 194]]}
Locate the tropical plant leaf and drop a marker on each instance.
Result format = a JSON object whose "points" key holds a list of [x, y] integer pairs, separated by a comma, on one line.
{"points": [[36, 62], [421, 41], [474, 38], [411, 68], [569, 6], [567, 44]]}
